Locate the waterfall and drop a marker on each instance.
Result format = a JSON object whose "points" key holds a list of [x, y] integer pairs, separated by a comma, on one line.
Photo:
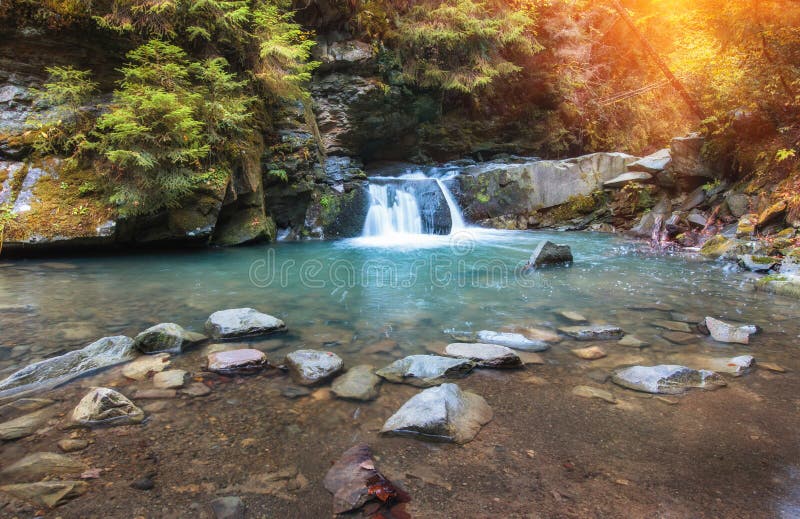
{"points": [[455, 211], [392, 210]]}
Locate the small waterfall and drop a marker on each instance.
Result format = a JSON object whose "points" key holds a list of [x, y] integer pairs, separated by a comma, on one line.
{"points": [[392, 210], [455, 211]]}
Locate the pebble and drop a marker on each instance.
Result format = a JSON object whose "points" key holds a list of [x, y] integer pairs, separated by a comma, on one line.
{"points": [[196, 389], [145, 483], [590, 353], [72, 445]]}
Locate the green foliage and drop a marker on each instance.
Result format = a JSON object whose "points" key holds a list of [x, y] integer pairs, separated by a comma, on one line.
{"points": [[6, 216], [279, 174]]}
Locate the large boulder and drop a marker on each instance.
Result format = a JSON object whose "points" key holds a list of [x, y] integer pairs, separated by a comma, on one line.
{"points": [[52, 372], [425, 370], [666, 379], [690, 167], [443, 413], [242, 322], [549, 254], [627, 178], [166, 337], [103, 406], [310, 367], [49, 494]]}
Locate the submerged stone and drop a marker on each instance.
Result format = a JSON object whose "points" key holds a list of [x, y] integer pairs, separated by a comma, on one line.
{"points": [[550, 254], [309, 367], [724, 332], [666, 379], [594, 392], [630, 341], [593, 333], [515, 341], [237, 362], [170, 379], [242, 322], [425, 370], [572, 316], [166, 337], [24, 425], [103, 406], [486, 355], [36, 466], [675, 326], [359, 383], [590, 353], [144, 366], [47, 493]]}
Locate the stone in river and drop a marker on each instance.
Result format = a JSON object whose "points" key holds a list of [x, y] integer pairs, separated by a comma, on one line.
{"points": [[142, 367], [516, 341], [24, 425], [736, 366], [350, 479], [529, 357], [724, 332], [309, 367], [47, 493], [680, 338], [594, 392], [590, 353], [548, 253], [230, 507], [757, 263], [571, 316], [593, 333], [170, 379], [242, 322], [25, 405], [196, 389], [486, 355], [426, 370], [630, 341], [675, 326], [237, 362], [36, 466], [155, 394], [443, 413], [771, 366], [539, 334], [166, 337], [359, 383], [666, 379], [54, 371], [103, 406], [663, 307], [72, 444]]}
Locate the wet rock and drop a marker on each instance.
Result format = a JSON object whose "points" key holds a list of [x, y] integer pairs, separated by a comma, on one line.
{"points": [[443, 413], [771, 366], [674, 326], [723, 332], [295, 391], [425, 370], [155, 394], [630, 341], [590, 353], [143, 367], [593, 333], [24, 425], [772, 214], [485, 355], [170, 379], [237, 362], [309, 367], [736, 366], [757, 263], [550, 254], [359, 383], [166, 337], [717, 247], [350, 479], [103, 406], [680, 338], [538, 334], [528, 357], [144, 483], [666, 379], [36, 466], [571, 316], [746, 226], [24, 405], [515, 341], [230, 507], [594, 392], [72, 444], [47, 493], [652, 305], [196, 389], [242, 322], [52, 372], [627, 178]]}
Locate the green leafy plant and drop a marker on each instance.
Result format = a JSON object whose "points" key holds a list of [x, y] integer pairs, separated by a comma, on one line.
{"points": [[6, 216]]}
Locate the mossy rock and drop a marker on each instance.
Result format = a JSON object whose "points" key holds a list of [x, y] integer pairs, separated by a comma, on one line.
{"points": [[783, 285], [717, 247]]}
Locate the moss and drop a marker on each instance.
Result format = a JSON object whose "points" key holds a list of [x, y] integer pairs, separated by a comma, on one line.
{"points": [[716, 247], [482, 198], [576, 206], [762, 260]]}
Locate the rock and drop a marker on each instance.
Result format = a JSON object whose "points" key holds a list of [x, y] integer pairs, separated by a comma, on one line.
{"points": [[72, 444], [694, 199], [103, 406], [680, 338], [237, 362], [746, 226], [231, 507], [166, 337], [24, 425], [550, 254], [717, 247], [295, 391], [242, 322], [144, 483], [627, 178], [594, 392], [593, 333], [737, 366], [155, 394], [52, 372], [359, 383], [723, 332], [771, 366], [571, 316], [697, 219], [757, 263], [687, 158], [512, 340], [590, 353], [310, 367], [170, 379], [196, 389], [142, 367], [738, 204], [36, 466], [675, 326], [666, 379], [425, 370], [528, 357], [653, 163], [47, 493], [630, 341], [772, 214], [443, 413], [24, 405], [486, 355], [539, 334], [351, 478]]}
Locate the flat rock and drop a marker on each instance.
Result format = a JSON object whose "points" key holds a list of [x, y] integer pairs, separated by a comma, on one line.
{"points": [[627, 178], [52, 372], [72, 444], [516, 341], [651, 305], [757, 263], [549, 254], [485, 355], [242, 322], [237, 362], [539, 334], [155, 394], [666, 379], [24, 425], [350, 479], [736, 366], [359, 383], [653, 163], [675, 326], [143, 367], [723, 332], [230, 507], [594, 392], [771, 366], [47, 493], [166, 337], [36, 466], [196, 389], [593, 333], [426, 370], [631, 341], [443, 413], [529, 357], [104, 406], [571, 316], [24, 405], [170, 379], [310, 367], [680, 338], [590, 353]]}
